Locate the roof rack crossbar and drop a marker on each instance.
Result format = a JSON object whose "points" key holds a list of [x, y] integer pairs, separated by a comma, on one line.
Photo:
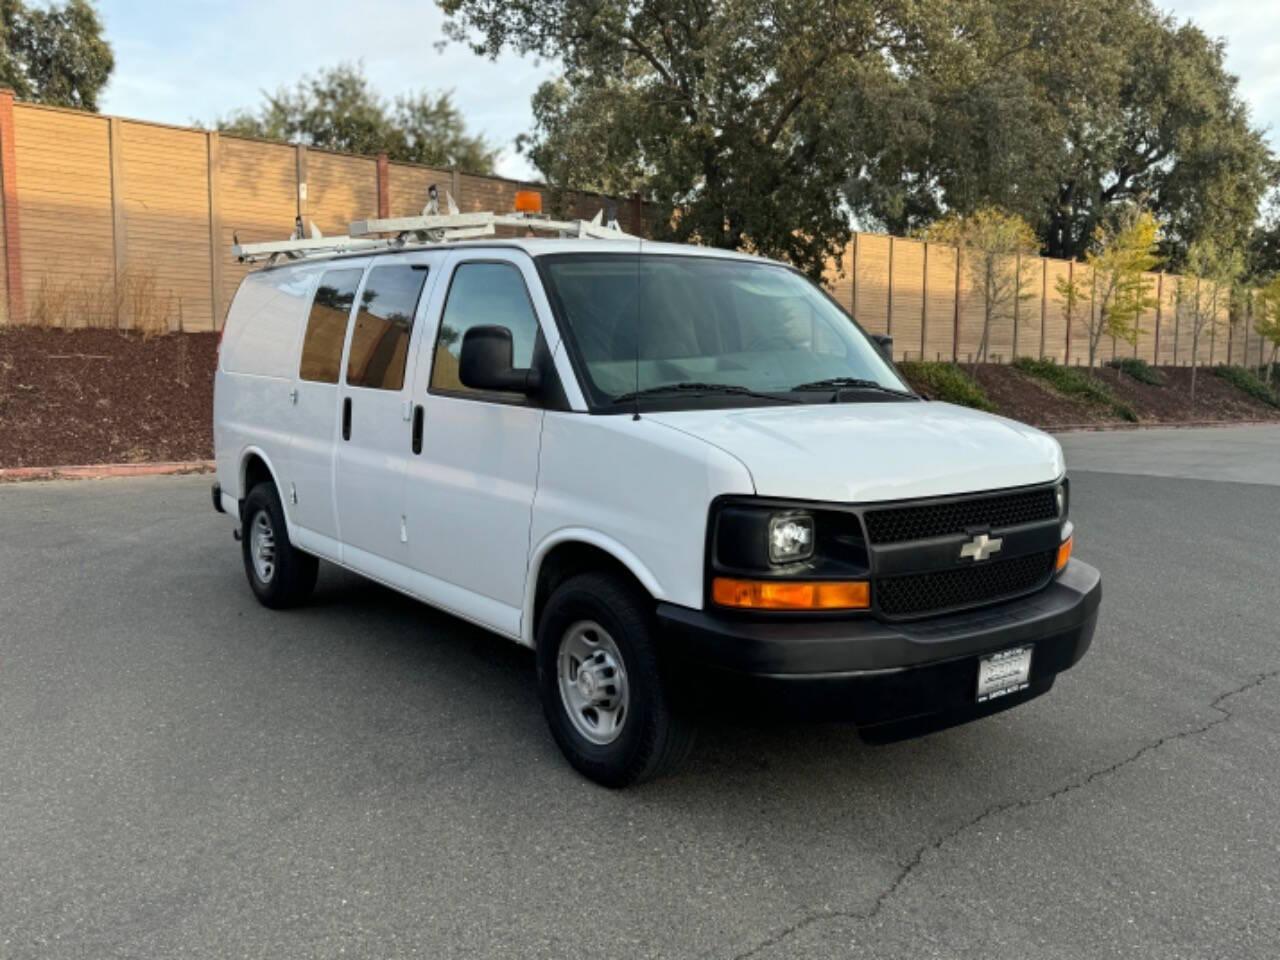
{"points": [[457, 226], [431, 226]]}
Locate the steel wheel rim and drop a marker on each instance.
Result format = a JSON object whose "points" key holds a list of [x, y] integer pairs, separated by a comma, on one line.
{"points": [[593, 682], [262, 546]]}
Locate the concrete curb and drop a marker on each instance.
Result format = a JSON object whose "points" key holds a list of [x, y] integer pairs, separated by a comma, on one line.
{"points": [[96, 471], [1158, 425]]}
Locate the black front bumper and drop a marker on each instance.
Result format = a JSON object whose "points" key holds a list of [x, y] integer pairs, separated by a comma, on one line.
{"points": [[894, 679]]}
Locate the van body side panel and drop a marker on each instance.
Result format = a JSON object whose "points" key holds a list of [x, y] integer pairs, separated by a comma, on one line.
{"points": [[253, 409], [633, 482]]}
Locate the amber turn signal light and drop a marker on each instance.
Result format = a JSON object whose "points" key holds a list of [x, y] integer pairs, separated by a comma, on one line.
{"points": [[791, 594], [1064, 552]]}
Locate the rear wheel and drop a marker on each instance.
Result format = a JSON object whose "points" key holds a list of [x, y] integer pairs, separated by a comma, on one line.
{"points": [[279, 574], [601, 688]]}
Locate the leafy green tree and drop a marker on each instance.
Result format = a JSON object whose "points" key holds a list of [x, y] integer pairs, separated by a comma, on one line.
{"points": [[1064, 111], [54, 54], [338, 109], [740, 120], [1266, 319], [1209, 271], [1124, 252], [990, 244]]}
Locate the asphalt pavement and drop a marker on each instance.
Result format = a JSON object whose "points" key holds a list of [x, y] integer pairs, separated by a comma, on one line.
{"points": [[186, 774]]}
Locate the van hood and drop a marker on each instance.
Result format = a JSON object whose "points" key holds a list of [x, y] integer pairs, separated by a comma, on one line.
{"points": [[867, 452]]}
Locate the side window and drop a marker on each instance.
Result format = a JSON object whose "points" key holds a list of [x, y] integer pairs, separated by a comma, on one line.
{"points": [[327, 325], [483, 293], [380, 341]]}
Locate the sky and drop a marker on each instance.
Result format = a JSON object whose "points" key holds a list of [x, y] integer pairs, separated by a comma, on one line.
{"points": [[183, 61]]}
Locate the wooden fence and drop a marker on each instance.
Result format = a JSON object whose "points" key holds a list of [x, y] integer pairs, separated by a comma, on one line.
{"points": [[116, 222]]}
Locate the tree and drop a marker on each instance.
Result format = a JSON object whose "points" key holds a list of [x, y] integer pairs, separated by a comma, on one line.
{"points": [[740, 120], [990, 243], [1266, 319], [1209, 268], [338, 109], [55, 54], [1125, 251], [1065, 111], [1072, 294]]}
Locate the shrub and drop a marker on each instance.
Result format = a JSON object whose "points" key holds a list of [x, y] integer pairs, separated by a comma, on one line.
{"points": [[1075, 383], [1249, 382], [1139, 370], [946, 382]]}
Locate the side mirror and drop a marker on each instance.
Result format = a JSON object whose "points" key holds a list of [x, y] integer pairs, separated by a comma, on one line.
{"points": [[485, 362], [885, 343]]}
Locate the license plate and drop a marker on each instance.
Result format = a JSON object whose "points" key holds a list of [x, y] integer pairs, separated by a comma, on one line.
{"points": [[1003, 673]]}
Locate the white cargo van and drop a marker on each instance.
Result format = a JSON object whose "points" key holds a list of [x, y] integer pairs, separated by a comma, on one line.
{"points": [[664, 468]]}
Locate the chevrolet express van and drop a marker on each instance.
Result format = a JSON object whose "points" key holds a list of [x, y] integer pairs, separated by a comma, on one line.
{"points": [[660, 467]]}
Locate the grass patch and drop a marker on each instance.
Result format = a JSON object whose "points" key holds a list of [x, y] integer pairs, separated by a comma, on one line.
{"points": [[1249, 382], [1139, 370], [946, 382], [1073, 382]]}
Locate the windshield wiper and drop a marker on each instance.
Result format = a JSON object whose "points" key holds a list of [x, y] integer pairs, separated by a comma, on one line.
{"points": [[695, 388], [850, 383]]}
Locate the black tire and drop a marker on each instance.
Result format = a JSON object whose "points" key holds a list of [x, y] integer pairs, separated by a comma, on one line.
{"points": [[291, 575], [651, 740]]}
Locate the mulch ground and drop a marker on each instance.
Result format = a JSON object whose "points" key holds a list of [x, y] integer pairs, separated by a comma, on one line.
{"points": [[104, 396], [1031, 400]]}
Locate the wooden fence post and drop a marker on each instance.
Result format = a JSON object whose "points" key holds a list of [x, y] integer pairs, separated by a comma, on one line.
{"points": [[119, 245], [1044, 300], [12, 234], [215, 230], [888, 322], [384, 186], [924, 297], [955, 322], [1071, 282], [1155, 352], [300, 168], [853, 277]]}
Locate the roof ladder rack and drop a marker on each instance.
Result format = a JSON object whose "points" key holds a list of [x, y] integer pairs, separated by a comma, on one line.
{"points": [[297, 248], [434, 227]]}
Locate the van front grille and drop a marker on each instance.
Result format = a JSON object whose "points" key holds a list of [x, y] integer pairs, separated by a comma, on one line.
{"points": [[900, 524], [985, 582]]}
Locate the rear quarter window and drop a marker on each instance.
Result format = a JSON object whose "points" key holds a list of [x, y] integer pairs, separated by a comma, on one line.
{"points": [[266, 316]]}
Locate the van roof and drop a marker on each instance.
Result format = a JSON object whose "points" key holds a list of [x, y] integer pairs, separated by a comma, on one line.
{"points": [[539, 247]]}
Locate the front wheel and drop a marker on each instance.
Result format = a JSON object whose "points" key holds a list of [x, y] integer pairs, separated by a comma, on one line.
{"points": [[600, 684], [280, 574]]}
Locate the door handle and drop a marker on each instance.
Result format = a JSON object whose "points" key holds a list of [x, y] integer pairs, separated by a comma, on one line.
{"points": [[417, 428], [346, 418]]}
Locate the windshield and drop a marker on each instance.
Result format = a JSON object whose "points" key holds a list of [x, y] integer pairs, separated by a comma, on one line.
{"points": [[699, 326]]}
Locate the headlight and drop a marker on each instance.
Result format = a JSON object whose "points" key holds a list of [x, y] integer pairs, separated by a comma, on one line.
{"points": [[790, 537]]}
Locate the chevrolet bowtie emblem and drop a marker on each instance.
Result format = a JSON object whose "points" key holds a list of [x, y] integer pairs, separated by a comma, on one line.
{"points": [[981, 547]]}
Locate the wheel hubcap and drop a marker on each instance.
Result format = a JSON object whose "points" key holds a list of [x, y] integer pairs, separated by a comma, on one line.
{"points": [[262, 546], [593, 682]]}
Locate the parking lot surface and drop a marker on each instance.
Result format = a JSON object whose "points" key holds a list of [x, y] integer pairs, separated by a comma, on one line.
{"points": [[184, 773]]}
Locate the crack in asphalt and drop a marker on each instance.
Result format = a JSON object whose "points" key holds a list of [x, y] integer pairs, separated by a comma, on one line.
{"points": [[907, 868]]}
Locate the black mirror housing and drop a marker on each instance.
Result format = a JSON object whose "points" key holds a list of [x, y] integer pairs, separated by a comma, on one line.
{"points": [[484, 362], [885, 343]]}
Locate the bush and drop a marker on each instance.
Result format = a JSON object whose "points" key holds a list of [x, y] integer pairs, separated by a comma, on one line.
{"points": [[1249, 382], [1073, 382], [1139, 370], [946, 382]]}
